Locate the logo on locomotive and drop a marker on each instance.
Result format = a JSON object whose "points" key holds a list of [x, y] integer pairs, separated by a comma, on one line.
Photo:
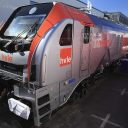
{"points": [[65, 56], [6, 57]]}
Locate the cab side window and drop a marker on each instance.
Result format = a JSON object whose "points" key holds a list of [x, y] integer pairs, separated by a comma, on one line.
{"points": [[86, 34], [66, 37]]}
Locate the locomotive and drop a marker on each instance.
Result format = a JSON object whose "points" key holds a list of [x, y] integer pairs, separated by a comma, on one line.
{"points": [[48, 49]]}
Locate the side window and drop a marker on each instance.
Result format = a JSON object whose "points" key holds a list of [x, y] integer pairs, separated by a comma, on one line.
{"points": [[66, 37], [86, 34]]}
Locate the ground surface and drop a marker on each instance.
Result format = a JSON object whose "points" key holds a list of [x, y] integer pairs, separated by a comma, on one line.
{"points": [[104, 106]]}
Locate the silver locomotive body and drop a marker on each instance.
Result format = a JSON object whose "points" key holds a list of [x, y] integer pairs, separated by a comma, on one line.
{"points": [[48, 49]]}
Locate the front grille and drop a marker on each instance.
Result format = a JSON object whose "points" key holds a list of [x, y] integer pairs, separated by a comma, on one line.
{"points": [[44, 109], [16, 69], [43, 99]]}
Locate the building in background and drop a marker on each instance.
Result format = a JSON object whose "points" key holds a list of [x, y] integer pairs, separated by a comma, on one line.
{"points": [[8, 6], [117, 17], [75, 3]]}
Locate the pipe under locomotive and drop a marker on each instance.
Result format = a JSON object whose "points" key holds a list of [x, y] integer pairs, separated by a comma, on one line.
{"points": [[47, 50]]}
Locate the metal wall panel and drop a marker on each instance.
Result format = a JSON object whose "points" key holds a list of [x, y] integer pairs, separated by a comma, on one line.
{"points": [[8, 6]]}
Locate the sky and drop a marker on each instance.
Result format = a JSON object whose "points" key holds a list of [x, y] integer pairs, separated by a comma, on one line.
{"points": [[110, 5]]}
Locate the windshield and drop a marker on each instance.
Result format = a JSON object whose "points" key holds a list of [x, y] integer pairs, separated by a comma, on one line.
{"points": [[23, 24]]}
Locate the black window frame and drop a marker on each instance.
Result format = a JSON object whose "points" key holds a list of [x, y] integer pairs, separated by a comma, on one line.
{"points": [[86, 34], [66, 39], [42, 9]]}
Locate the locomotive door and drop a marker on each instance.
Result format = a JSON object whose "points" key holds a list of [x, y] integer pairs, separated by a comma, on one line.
{"points": [[66, 41], [77, 41], [73, 72], [85, 52]]}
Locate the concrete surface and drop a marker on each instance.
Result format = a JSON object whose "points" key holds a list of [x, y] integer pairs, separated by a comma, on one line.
{"points": [[104, 106]]}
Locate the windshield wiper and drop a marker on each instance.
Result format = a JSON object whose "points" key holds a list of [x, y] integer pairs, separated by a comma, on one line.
{"points": [[11, 45], [32, 28]]}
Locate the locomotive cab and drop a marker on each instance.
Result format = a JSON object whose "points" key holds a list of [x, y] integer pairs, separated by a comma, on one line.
{"points": [[16, 37]]}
